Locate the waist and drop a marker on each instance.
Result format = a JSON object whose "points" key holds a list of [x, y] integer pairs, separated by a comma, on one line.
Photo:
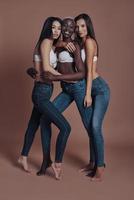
{"points": [[42, 91], [43, 83], [39, 79], [65, 64], [73, 83], [99, 81]]}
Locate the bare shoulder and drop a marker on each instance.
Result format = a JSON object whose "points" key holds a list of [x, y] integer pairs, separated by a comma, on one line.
{"points": [[46, 43], [90, 43]]}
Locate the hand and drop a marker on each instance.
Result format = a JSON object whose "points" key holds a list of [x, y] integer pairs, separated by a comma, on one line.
{"points": [[70, 47], [32, 72], [47, 76], [77, 50], [87, 101]]}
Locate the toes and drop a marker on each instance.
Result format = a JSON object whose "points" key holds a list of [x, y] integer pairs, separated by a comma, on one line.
{"points": [[57, 172], [81, 170], [95, 178]]}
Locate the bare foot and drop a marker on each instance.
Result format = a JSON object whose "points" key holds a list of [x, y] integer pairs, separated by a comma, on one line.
{"points": [[88, 167], [57, 170], [99, 174], [23, 162], [45, 164]]}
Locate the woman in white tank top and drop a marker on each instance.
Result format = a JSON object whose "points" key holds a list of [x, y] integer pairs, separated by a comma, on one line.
{"points": [[45, 59], [80, 92], [96, 94]]}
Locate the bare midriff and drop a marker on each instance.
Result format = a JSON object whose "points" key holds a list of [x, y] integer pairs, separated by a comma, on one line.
{"points": [[67, 68], [39, 69], [63, 68]]}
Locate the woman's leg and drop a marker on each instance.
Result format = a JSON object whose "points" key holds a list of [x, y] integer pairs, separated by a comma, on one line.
{"points": [[100, 106], [86, 115], [61, 102], [53, 115], [46, 144], [31, 130], [29, 137]]}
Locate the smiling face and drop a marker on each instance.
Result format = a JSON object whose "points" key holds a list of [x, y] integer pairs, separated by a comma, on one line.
{"points": [[81, 28], [56, 29], [68, 28]]}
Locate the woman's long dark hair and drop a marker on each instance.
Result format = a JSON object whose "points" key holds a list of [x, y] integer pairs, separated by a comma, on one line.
{"points": [[90, 29], [47, 30]]}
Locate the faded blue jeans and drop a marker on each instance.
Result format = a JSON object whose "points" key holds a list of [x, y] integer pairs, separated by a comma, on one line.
{"points": [[100, 100], [92, 117], [41, 99]]}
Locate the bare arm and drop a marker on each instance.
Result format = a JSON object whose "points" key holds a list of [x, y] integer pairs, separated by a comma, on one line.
{"points": [[80, 74], [90, 51], [45, 49]]}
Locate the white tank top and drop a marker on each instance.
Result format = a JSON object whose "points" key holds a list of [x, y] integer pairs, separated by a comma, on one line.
{"points": [[53, 58], [64, 57], [83, 56]]}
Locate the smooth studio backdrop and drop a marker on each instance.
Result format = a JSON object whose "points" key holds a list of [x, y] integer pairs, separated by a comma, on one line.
{"points": [[20, 25]]}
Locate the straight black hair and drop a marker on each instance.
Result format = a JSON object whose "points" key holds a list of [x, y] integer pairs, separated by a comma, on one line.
{"points": [[90, 29], [47, 30]]}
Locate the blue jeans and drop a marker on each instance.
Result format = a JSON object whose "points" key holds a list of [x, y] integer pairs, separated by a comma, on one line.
{"points": [[46, 110], [76, 92], [71, 92], [100, 97], [92, 117]]}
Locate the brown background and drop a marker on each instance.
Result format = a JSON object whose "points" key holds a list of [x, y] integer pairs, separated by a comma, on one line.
{"points": [[20, 26]]}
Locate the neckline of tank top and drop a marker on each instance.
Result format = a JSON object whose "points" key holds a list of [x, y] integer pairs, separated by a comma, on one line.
{"points": [[64, 56]]}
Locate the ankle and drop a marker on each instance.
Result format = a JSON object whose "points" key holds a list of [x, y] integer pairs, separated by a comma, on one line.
{"points": [[101, 166], [24, 157], [91, 164], [58, 165], [100, 170]]}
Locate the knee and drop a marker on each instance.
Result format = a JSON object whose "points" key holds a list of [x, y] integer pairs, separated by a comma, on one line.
{"points": [[96, 128], [97, 134]]}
